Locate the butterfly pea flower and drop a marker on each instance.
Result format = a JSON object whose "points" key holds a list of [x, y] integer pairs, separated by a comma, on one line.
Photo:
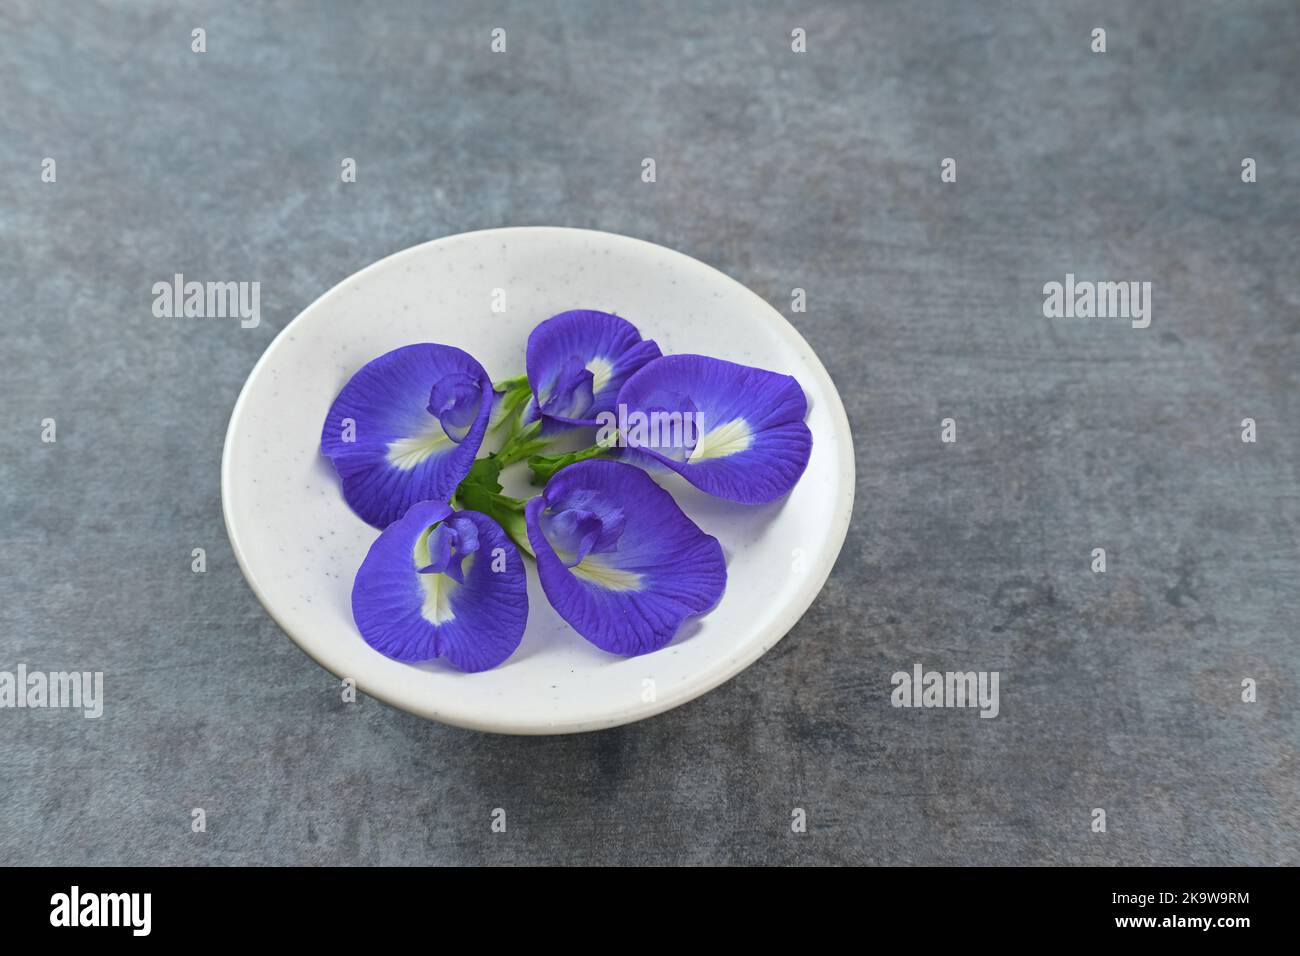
{"points": [[733, 431], [618, 559], [439, 583], [406, 428], [576, 362]]}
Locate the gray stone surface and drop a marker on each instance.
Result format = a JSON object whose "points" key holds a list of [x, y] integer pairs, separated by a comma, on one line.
{"points": [[821, 171]]}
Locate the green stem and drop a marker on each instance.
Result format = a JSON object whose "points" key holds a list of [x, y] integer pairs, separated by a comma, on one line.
{"points": [[521, 440], [481, 491], [544, 467], [522, 444]]}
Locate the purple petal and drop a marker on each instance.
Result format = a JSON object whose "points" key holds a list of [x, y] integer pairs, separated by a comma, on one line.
{"points": [[650, 566], [406, 428], [441, 547], [584, 523], [410, 613], [454, 400], [749, 442], [448, 545], [577, 361]]}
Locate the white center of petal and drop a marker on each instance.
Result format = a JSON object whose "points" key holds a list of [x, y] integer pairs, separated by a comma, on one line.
{"points": [[595, 569], [722, 441], [438, 589], [601, 370], [405, 453]]}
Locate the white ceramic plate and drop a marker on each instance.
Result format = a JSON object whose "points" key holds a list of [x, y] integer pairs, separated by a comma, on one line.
{"points": [[299, 545]]}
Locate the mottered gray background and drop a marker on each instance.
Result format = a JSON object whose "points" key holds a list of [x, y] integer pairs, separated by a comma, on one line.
{"points": [[816, 170]]}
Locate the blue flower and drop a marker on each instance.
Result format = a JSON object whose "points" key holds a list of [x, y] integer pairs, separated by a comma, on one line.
{"points": [[742, 429], [576, 363], [618, 559], [439, 583], [406, 428]]}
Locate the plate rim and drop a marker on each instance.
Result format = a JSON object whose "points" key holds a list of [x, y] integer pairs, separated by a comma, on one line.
{"points": [[768, 635]]}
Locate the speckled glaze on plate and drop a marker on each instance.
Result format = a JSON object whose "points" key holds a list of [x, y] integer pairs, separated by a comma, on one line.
{"points": [[299, 545]]}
